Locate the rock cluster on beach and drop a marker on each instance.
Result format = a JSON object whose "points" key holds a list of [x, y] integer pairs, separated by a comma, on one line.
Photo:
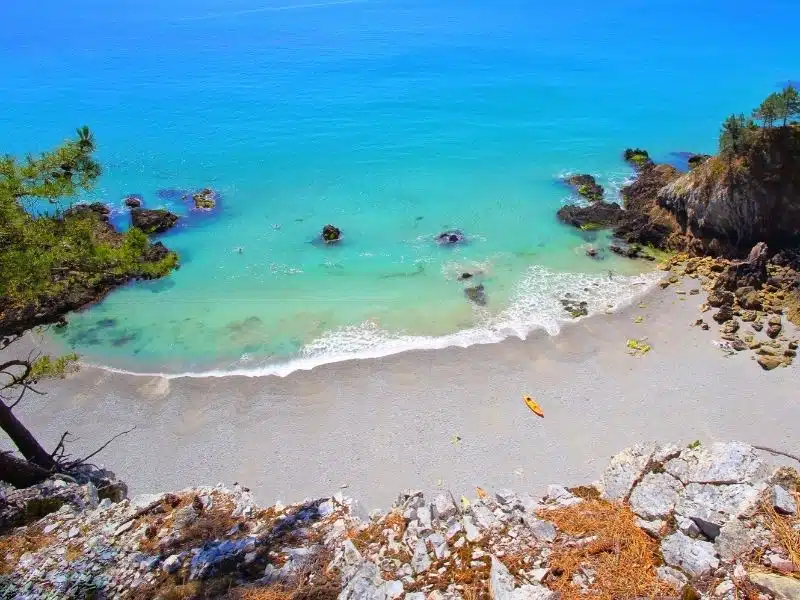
{"points": [[750, 299], [664, 521]]}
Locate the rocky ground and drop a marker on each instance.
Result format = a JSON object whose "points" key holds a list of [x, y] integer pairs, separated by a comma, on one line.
{"points": [[704, 521]]}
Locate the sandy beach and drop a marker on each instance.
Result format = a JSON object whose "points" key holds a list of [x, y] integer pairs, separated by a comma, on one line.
{"points": [[450, 419]]}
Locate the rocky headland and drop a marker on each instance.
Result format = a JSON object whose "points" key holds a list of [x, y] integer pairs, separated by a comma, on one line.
{"points": [[668, 521]]}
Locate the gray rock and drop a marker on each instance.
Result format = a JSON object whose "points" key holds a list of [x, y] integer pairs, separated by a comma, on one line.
{"points": [[472, 532], [364, 584], [73, 532], [782, 588], [420, 562], [561, 496], [439, 544], [655, 495], [443, 508], [507, 497], [783, 501], [780, 563], [423, 515], [171, 564], [694, 557], [414, 596], [483, 516], [542, 530], [734, 540], [502, 586], [624, 470], [687, 526], [144, 500], [651, 527], [732, 462], [184, 517], [725, 590], [672, 577], [711, 506]]}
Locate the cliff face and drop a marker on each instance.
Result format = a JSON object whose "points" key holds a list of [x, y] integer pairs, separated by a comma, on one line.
{"points": [[750, 198]]}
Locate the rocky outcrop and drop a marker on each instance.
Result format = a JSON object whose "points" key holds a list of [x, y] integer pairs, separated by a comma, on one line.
{"points": [[133, 201], [703, 509], [205, 199], [743, 200], [97, 209], [153, 220], [586, 186], [598, 215], [637, 158]]}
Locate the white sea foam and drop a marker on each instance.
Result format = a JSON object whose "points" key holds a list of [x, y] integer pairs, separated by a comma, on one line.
{"points": [[535, 305]]}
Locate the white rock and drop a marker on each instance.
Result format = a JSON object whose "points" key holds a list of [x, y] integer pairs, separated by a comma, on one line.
{"points": [[783, 501], [73, 532], [561, 496], [414, 596], [439, 544], [423, 514], [325, 509], [365, 584], [655, 495], [420, 562], [731, 462], [507, 497], [483, 516], [393, 589], [144, 500], [472, 532], [725, 589], [672, 577], [625, 469], [123, 528], [443, 508], [501, 586], [711, 506], [542, 530], [651, 527], [692, 556]]}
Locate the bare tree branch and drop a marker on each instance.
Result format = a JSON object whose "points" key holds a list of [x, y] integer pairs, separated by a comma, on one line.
{"points": [[83, 460]]}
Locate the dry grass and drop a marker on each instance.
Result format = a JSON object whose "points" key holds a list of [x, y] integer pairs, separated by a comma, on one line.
{"points": [[15, 545], [373, 534], [623, 556], [73, 553], [782, 527]]}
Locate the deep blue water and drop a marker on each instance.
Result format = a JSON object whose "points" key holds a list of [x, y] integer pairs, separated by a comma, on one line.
{"points": [[393, 119]]}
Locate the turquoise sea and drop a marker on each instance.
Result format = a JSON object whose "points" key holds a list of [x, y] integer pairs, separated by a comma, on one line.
{"points": [[392, 119]]}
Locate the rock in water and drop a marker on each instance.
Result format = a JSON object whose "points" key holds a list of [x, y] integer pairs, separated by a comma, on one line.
{"points": [[153, 220], [450, 237], [133, 201], [639, 159], [96, 208], [586, 186], [205, 199], [331, 234]]}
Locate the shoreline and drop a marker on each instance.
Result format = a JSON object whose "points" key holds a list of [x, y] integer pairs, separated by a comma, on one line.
{"points": [[444, 419]]}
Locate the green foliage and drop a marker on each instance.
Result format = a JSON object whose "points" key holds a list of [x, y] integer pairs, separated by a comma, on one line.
{"points": [[591, 226], [736, 134], [637, 157], [770, 110], [43, 257], [694, 444], [47, 367], [638, 347]]}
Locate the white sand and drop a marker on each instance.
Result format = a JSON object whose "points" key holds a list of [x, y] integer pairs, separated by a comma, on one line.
{"points": [[385, 424]]}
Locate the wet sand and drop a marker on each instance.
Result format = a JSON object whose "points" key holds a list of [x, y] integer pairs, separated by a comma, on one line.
{"points": [[450, 419]]}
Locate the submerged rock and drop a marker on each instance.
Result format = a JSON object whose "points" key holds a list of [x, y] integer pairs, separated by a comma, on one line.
{"points": [[94, 209], [153, 220], [331, 234], [452, 236], [598, 215], [476, 294]]}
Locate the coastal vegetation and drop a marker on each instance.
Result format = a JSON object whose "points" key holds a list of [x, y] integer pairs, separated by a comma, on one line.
{"points": [[54, 259]]}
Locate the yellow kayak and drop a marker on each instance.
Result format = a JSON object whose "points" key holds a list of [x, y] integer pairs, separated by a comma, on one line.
{"points": [[532, 404]]}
